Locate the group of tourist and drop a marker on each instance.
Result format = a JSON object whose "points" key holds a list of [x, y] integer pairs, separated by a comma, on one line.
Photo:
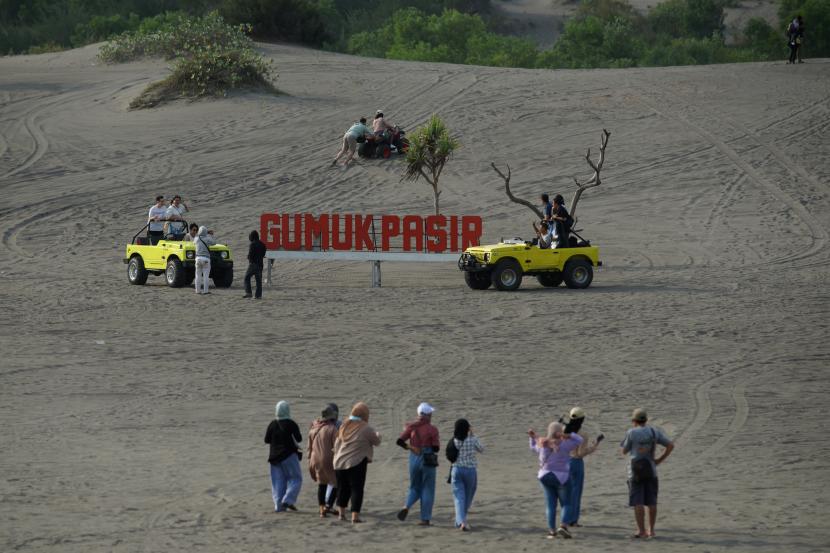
{"points": [[555, 227], [339, 453], [359, 132], [795, 37]]}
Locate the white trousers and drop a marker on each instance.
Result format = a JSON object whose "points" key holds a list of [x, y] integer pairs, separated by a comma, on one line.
{"points": [[202, 275]]}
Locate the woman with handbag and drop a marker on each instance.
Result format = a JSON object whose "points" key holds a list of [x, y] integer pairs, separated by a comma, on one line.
{"points": [[321, 438], [423, 445], [282, 436], [464, 476], [554, 451], [353, 451]]}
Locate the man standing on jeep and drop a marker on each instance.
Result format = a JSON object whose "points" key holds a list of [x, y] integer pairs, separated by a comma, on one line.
{"points": [[640, 445], [155, 220], [175, 214]]}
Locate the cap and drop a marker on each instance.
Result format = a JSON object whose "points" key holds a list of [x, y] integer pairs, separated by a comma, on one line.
{"points": [[425, 409], [577, 413], [639, 415]]}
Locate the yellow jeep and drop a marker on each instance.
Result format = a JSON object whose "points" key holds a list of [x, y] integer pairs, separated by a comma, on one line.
{"points": [[504, 264], [176, 259]]}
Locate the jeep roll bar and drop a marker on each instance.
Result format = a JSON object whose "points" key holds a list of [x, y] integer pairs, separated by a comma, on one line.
{"points": [[147, 226]]}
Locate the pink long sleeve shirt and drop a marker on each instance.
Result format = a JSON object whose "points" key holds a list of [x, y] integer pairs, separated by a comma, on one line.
{"points": [[556, 461]]}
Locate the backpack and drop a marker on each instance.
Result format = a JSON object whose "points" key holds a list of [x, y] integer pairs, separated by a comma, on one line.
{"points": [[452, 451], [641, 469]]}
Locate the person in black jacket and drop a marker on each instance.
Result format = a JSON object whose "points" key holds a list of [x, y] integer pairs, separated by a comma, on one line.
{"points": [[283, 436], [256, 253], [562, 220]]}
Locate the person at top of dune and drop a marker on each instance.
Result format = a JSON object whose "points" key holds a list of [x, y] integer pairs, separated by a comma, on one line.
{"points": [[357, 131], [554, 451], [379, 124]]}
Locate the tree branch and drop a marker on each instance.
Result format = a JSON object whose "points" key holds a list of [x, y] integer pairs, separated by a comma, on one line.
{"points": [[510, 194], [595, 178]]}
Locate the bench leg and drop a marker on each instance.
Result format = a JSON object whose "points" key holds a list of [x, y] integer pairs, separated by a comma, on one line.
{"points": [[375, 274]]}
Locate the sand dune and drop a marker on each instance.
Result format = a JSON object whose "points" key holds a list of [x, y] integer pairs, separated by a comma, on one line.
{"points": [[133, 416]]}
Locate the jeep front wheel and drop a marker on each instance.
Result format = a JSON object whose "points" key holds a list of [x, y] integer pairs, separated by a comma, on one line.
{"points": [[507, 275], [174, 274], [550, 280], [136, 273], [224, 279], [477, 280], [578, 273]]}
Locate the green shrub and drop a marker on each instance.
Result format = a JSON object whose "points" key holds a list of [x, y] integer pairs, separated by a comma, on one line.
{"points": [[289, 20], [102, 27], [687, 18], [210, 72], [761, 38], [816, 14]]}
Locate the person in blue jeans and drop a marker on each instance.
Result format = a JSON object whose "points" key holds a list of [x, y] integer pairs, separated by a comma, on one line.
{"points": [[464, 475], [554, 455], [283, 437], [420, 437], [571, 511]]}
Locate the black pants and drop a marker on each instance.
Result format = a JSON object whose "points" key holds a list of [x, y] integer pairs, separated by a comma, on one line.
{"points": [[255, 271], [793, 52], [155, 236], [321, 495], [350, 483]]}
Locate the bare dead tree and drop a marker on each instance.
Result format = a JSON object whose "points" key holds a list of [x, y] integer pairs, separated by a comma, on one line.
{"points": [[594, 180], [510, 195]]}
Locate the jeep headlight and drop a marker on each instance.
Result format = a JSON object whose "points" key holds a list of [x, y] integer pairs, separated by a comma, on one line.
{"points": [[190, 254], [486, 257], [223, 254]]}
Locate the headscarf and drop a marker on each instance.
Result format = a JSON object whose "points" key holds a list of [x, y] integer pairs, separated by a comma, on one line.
{"points": [[351, 426], [462, 430], [283, 411], [551, 441], [254, 236], [331, 412]]}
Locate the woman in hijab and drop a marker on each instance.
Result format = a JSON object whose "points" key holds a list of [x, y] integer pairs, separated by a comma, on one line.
{"points": [[353, 450], [283, 435], [204, 239], [570, 512], [321, 439], [554, 456], [464, 475]]}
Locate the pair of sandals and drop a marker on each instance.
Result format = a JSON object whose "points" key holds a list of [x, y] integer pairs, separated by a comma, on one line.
{"points": [[561, 532]]}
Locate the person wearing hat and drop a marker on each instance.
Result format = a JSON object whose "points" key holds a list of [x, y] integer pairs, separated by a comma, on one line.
{"points": [[282, 436], [640, 445], [576, 466], [321, 439], [420, 437], [353, 451]]}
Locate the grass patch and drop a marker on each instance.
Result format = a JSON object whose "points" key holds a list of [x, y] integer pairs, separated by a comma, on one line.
{"points": [[211, 58]]}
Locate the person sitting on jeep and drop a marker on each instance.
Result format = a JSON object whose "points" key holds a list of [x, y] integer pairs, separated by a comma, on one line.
{"points": [[544, 236]]}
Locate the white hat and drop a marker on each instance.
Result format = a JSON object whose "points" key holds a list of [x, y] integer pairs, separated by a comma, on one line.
{"points": [[378, 112], [425, 409], [577, 413]]}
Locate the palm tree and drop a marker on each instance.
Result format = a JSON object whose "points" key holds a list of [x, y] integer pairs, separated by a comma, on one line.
{"points": [[429, 150]]}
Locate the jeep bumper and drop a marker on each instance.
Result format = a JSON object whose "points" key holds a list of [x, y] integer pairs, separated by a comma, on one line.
{"points": [[468, 262]]}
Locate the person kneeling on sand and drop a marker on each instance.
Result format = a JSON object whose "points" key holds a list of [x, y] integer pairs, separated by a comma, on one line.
{"points": [[321, 438], [355, 132], [640, 444], [353, 450], [554, 475], [282, 436], [423, 449], [204, 239]]}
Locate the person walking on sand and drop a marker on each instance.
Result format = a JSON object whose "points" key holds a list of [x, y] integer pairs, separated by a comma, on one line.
{"points": [[640, 444], [464, 475], [204, 239], [353, 450], [357, 131], [321, 438], [554, 455], [256, 253], [576, 467], [283, 436], [420, 437]]}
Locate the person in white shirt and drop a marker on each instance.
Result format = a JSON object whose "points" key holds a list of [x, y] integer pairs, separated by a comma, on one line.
{"points": [[158, 213], [175, 215], [544, 234]]}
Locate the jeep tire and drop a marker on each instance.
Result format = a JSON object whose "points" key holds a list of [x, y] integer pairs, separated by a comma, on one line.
{"points": [[479, 280], [136, 273], [550, 280], [174, 274], [578, 273], [223, 278], [507, 275]]}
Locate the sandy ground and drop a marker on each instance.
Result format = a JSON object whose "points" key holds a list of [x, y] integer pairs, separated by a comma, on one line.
{"points": [[132, 417]]}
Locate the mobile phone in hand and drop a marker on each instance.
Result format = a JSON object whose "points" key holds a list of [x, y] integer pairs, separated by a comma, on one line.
{"points": [[600, 438]]}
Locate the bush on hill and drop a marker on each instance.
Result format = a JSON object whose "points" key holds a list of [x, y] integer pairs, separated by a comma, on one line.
{"points": [[816, 14]]}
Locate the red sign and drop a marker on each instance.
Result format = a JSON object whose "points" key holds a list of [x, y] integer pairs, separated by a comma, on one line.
{"points": [[353, 232]]}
